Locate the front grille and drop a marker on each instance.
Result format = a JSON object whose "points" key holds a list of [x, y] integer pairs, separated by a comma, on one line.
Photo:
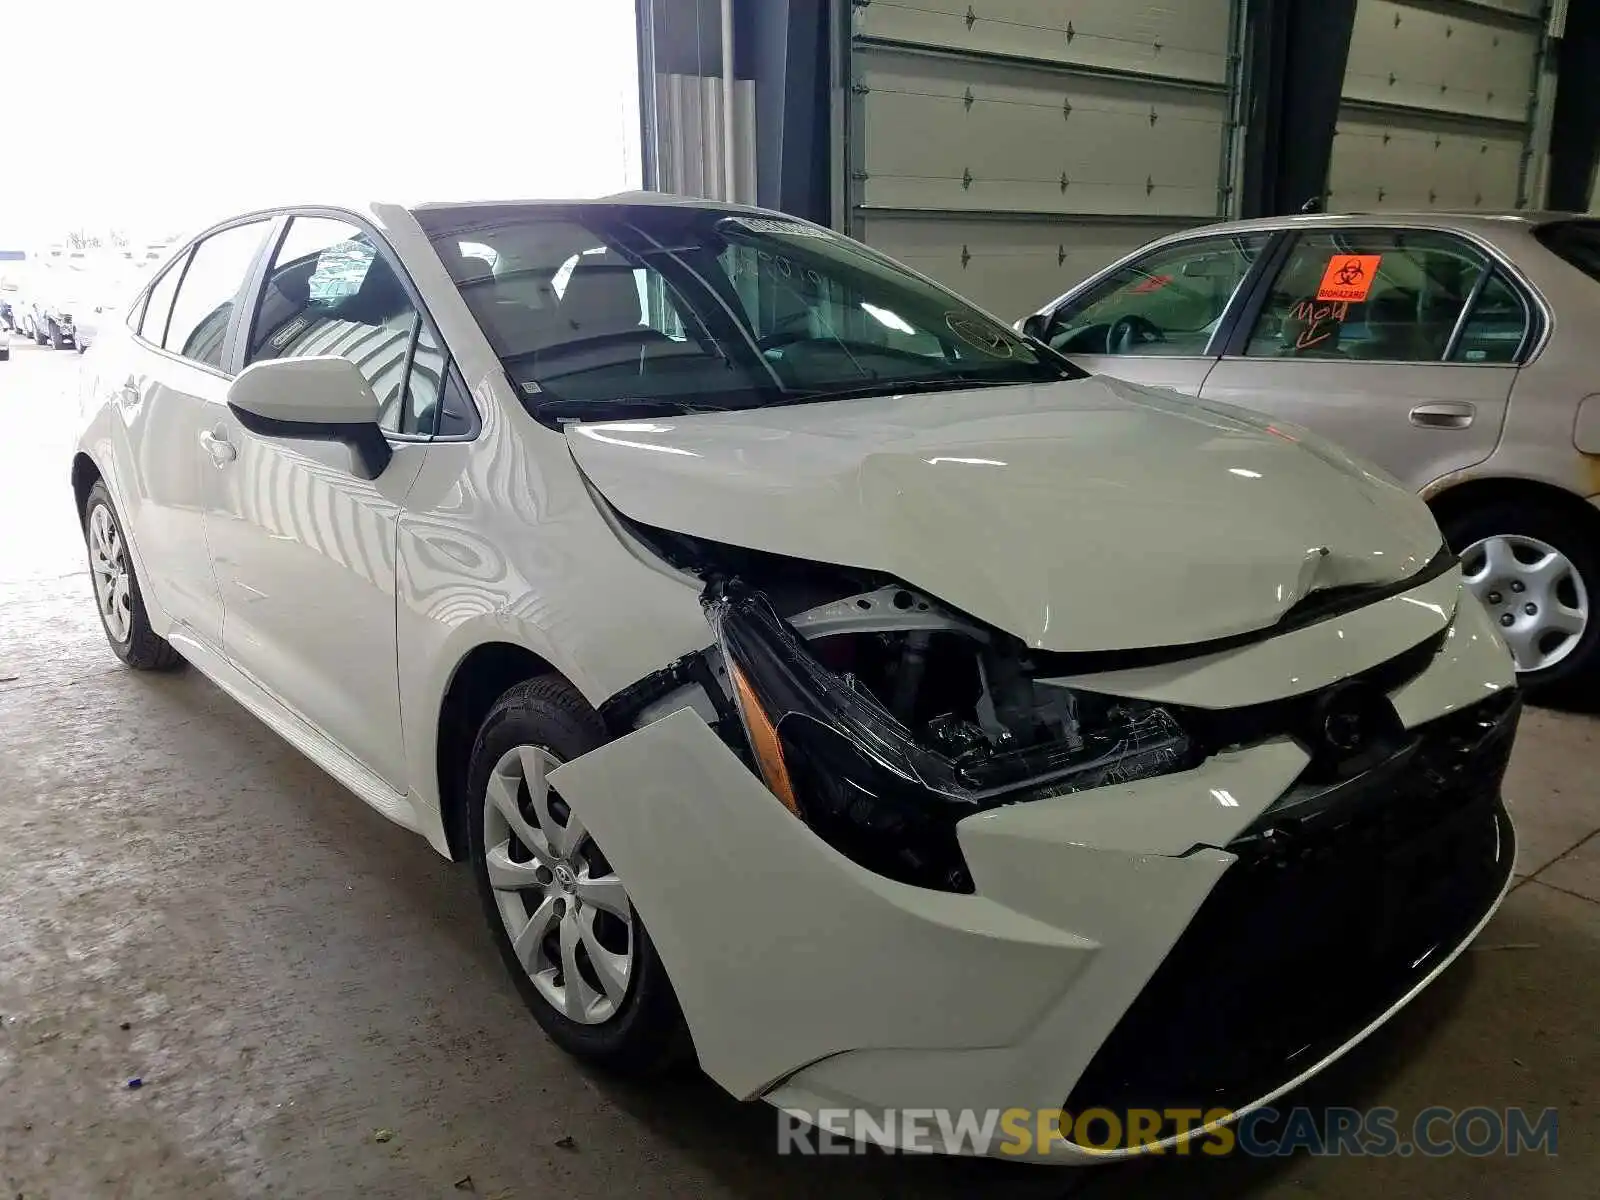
{"points": [[1223, 728], [1330, 915]]}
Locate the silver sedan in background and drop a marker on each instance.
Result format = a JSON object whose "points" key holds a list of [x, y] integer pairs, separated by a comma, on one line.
{"points": [[1460, 353]]}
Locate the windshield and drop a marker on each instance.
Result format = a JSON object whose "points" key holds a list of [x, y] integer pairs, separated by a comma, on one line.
{"points": [[603, 310]]}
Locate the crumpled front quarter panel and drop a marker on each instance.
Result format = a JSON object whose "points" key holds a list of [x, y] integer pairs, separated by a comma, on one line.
{"points": [[784, 953], [781, 950]]}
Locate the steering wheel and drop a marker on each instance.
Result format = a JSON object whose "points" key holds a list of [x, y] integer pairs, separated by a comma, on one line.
{"points": [[1127, 333]]}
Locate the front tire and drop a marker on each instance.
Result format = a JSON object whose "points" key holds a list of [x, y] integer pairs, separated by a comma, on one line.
{"points": [[116, 589], [57, 342], [1538, 573], [559, 915]]}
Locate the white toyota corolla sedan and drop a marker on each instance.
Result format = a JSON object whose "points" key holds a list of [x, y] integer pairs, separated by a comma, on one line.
{"points": [[824, 681]]}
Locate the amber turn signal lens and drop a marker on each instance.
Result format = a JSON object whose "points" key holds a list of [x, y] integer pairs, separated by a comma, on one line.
{"points": [[764, 742]]}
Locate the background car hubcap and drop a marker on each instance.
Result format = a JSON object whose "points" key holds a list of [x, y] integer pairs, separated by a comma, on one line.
{"points": [[108, 564], [563, 907], [1533, 594]]}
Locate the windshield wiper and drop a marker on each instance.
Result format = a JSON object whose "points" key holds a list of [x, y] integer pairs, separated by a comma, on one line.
{"points": [[610, 407], [892, 387]]}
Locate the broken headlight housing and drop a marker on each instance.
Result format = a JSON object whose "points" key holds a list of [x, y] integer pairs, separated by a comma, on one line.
{"points": [[883, 760]]}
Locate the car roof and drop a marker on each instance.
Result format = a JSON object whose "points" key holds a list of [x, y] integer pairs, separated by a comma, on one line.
{"points": [[1472, 219], [380, 209]]}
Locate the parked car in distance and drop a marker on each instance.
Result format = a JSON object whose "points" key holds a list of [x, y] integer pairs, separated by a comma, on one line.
{"points": [[49, 303], [822, 680], [9, 294], [1458, 352], [5, 345]]}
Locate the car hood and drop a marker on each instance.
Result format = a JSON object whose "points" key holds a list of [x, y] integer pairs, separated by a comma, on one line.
{"points": [[1084, 515]]}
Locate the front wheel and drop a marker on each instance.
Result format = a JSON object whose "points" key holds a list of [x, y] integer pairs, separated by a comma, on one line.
{"points": [[1536, 571], [559, 915], [116, 589], [57, 341]]}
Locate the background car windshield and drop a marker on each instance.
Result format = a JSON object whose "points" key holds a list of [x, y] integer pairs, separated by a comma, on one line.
{"points": [[633, 304]]}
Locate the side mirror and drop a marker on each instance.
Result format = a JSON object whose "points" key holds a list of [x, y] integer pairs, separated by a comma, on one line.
{"points": [[1036, 326], [323, 398]]}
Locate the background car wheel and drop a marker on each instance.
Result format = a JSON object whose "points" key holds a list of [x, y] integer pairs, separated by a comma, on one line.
{"points": [[116, 589], [1538, 574], [38, 334], [558, 913], [57, 342]]}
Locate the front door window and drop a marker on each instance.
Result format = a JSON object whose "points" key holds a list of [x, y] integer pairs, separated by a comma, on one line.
{"points": [[1169, 302]]}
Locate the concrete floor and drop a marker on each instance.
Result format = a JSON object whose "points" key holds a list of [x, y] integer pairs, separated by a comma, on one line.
{"points": [[185, 900]]}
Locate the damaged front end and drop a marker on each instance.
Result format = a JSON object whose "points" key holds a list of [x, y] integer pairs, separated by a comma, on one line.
{"points": [[882, 720]]}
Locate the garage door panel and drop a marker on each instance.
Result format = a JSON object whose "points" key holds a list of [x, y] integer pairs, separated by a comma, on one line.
{"points": [[1441, 60], [1437, 105], [1383, 163], [1185, 41], [944, 134], [1010, 267]]}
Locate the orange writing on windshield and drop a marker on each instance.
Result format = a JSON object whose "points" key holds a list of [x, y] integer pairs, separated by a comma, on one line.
{"points": [[1349, 277]]}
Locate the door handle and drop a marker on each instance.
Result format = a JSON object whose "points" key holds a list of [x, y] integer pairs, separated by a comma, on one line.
{"points": [[1442, 416], [222, 451]]}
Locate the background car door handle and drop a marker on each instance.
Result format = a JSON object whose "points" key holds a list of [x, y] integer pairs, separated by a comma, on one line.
{"points": [[219, 447], [1442, 416]]}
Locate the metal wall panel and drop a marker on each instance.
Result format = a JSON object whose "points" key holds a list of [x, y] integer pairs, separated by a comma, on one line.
{"points": [[688, 154], [1182, 41], [1379, 162], [997, 262], [1438, 105], [962, 135], [1008, 148]]}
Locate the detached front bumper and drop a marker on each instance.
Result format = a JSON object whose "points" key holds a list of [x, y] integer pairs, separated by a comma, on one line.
{"points": [[1192, 941]]}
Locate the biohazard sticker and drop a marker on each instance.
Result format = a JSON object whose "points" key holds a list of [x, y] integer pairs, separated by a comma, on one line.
{"points": [[1349, 277]]}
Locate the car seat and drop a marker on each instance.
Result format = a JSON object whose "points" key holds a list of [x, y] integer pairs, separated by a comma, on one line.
{"points": [[1392, 331]]}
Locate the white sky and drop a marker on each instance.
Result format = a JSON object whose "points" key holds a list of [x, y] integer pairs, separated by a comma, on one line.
{"points": [[170, 113]]}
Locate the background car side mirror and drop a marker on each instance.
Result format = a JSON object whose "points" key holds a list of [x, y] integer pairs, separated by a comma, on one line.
{"points": [[1036, 326], [322, 398]]}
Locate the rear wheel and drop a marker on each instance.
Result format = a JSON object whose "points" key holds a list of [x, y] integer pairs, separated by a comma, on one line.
{"points": [[1537, 572], [559, 915]]}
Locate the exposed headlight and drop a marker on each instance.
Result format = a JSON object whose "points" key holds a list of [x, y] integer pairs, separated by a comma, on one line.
{"points": [[889, 796]]}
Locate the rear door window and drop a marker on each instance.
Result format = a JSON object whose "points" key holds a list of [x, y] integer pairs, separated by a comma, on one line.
{"points": [[1496, 327], [1375, 295]]}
